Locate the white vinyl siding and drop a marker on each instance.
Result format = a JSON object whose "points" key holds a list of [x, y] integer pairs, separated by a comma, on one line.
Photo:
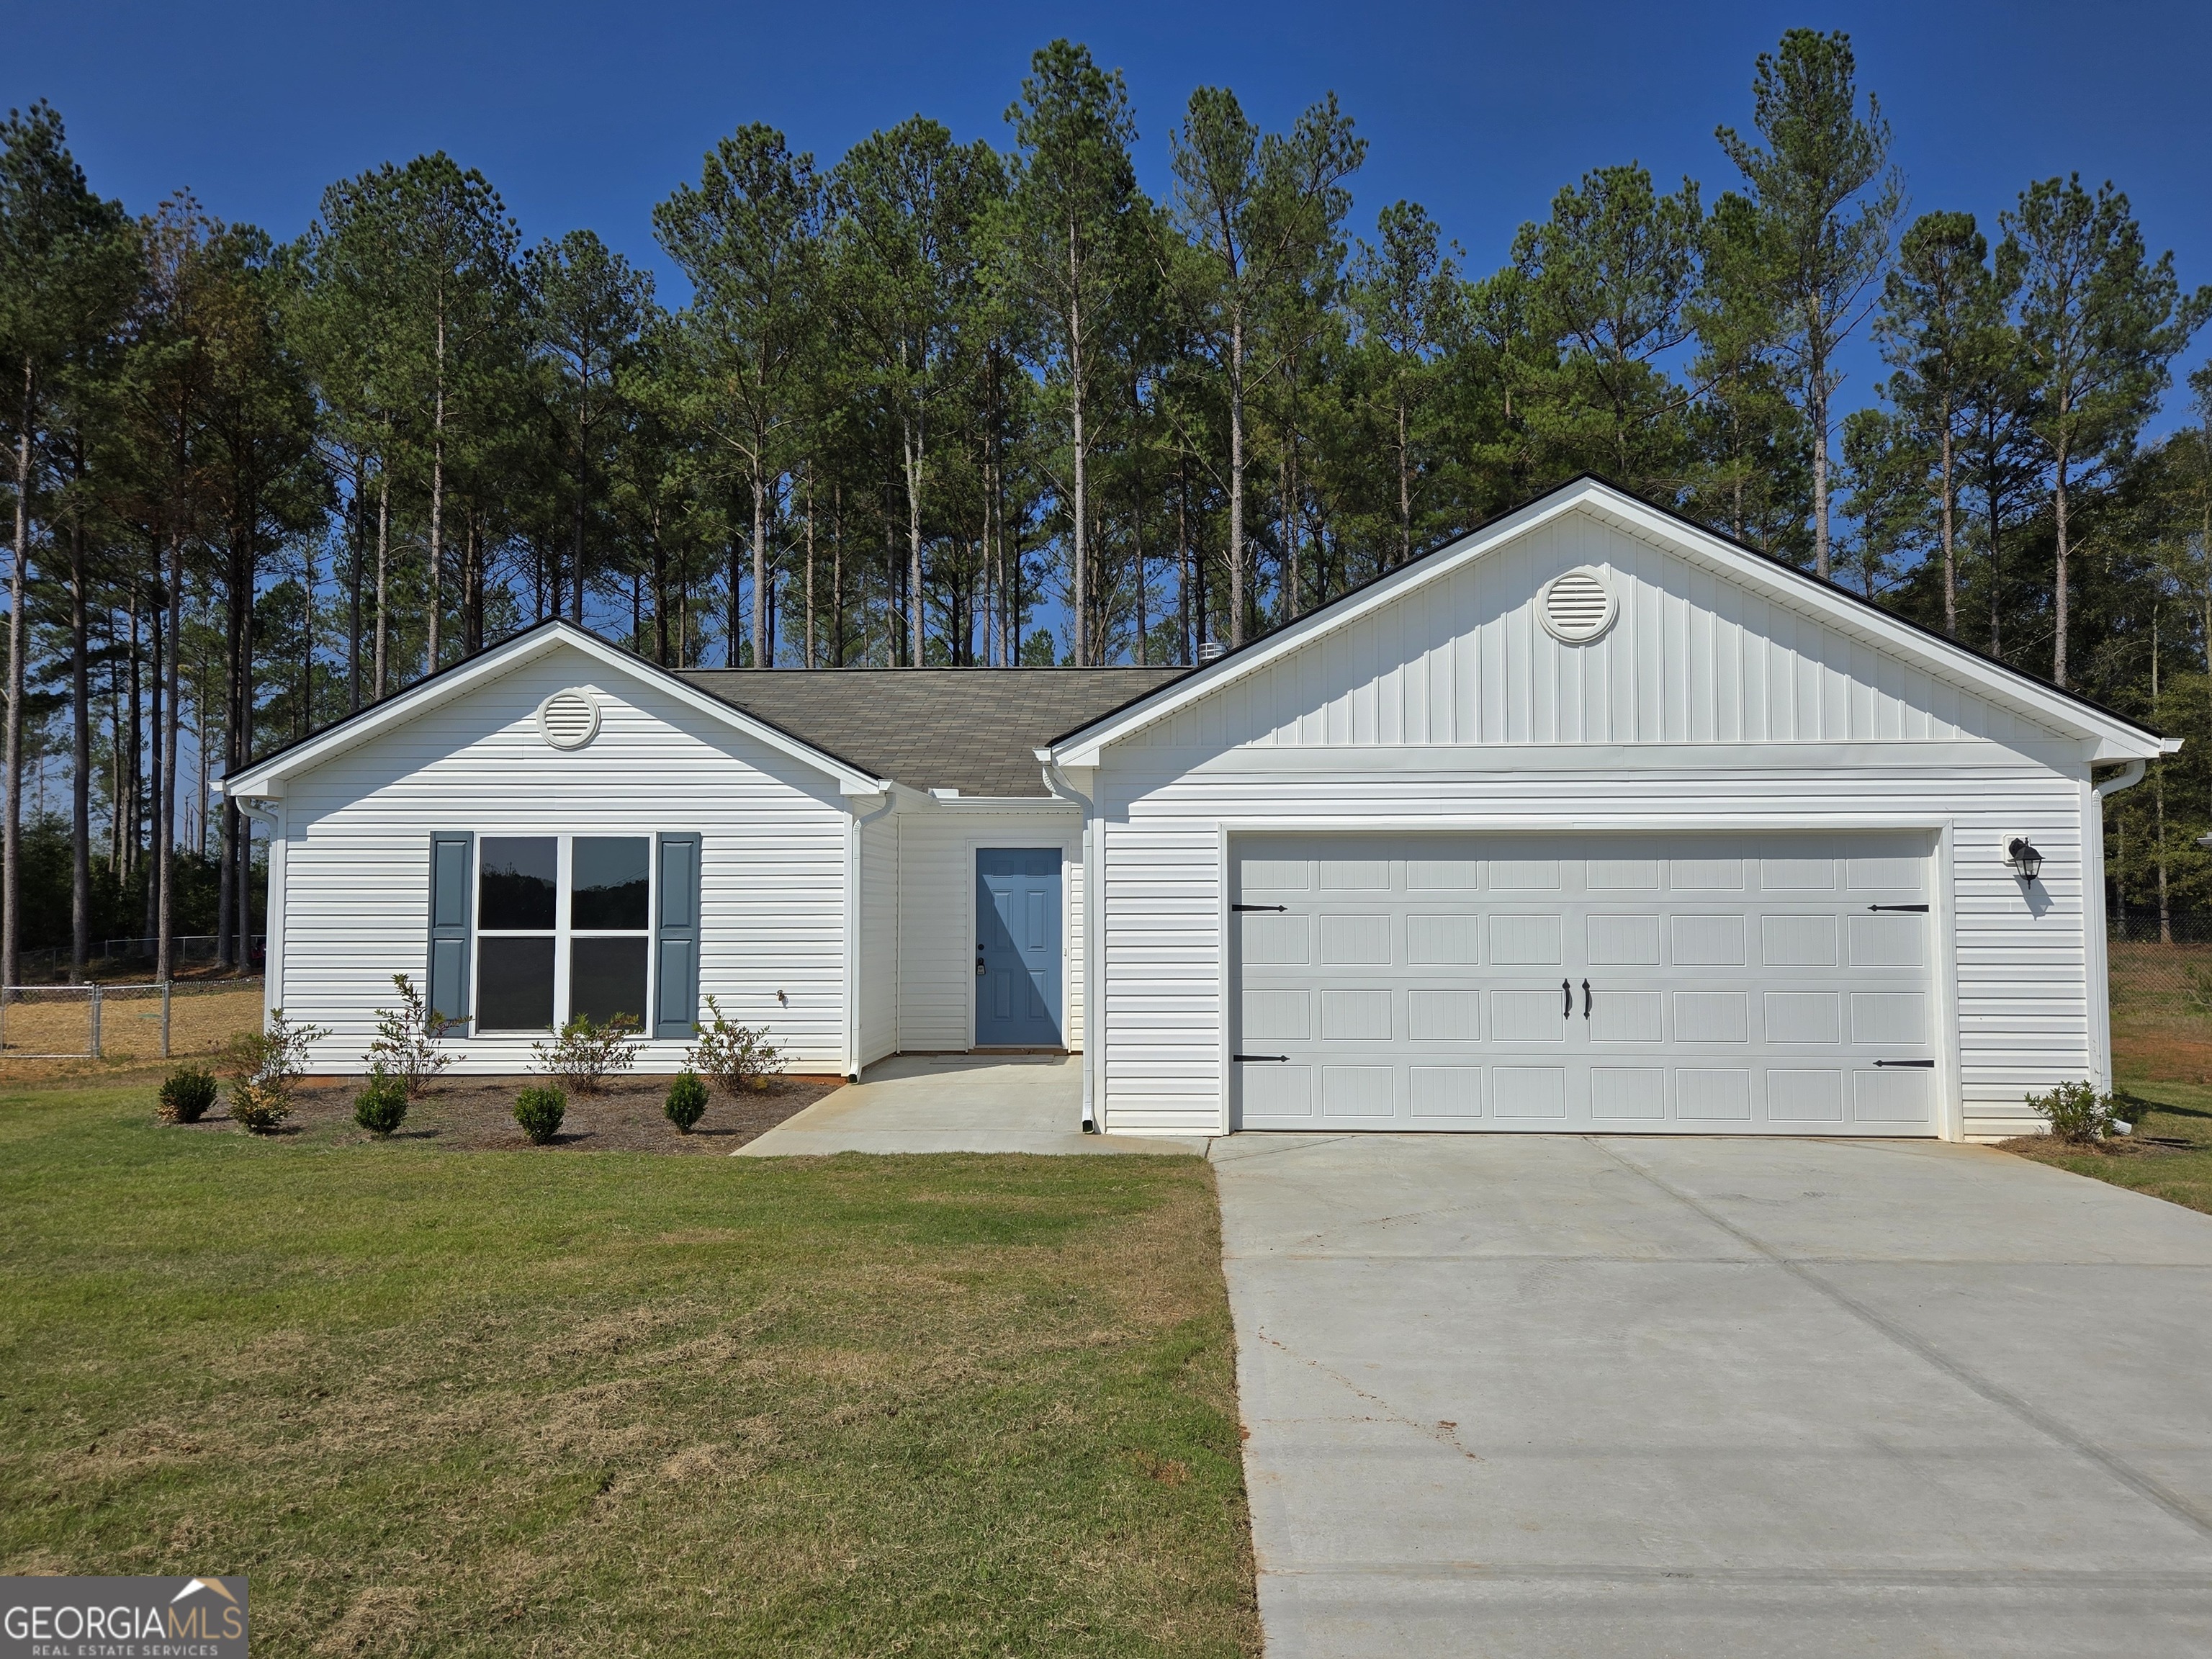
{"points": [[880, 938], [773, 865], [937, 915]]}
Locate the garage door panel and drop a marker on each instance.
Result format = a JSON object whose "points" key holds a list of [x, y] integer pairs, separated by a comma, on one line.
{"points": [[1275, 1095], [1357, 1090], [1628, 1093], [1527, 1092], [1526, 940], [1708, 1017], [1524, 1016], [1629, 940], [1355, 941], [1444, 1016], [1446, 1091], [1802, 1016], [1796, 941], [1437, 939], [1627, 1017], [1735, 984], [1887, 941], [1708, 941], [1894, 1098], [1355, 1016], [1804, 1096]]}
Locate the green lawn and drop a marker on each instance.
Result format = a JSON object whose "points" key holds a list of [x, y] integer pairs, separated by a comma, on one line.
{"points": [[621, 1403], [2163, 1060]]}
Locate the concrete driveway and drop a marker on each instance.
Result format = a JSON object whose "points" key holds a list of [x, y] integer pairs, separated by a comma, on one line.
{"points": [[1516, 1395]]}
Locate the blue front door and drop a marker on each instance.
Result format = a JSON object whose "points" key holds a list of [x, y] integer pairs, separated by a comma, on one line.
{"points": [[1017, 947]]}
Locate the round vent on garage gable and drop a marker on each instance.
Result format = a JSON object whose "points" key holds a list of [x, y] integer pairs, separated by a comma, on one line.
{"points": [[568, 720], [1576, 606]]}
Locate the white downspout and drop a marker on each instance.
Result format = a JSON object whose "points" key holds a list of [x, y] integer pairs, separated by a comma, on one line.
{"points": [[1094, 1022], [855, 908], [269, 814], [2094, 902]]}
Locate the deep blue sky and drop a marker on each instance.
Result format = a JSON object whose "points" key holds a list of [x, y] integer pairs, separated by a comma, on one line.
{"points": [[588, 115]]}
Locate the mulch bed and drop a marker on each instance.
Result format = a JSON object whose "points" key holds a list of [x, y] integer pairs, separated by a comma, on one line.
{"points": [[476, 1113], [2048, 1147]]}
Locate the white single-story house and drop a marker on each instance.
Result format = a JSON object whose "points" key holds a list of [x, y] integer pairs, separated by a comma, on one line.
{"points": [[1591, 821]]}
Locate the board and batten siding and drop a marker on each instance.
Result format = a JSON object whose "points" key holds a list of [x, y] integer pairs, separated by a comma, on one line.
{"points": [[937, 915], [1692, 657], [773, 870], [1705, 706]]}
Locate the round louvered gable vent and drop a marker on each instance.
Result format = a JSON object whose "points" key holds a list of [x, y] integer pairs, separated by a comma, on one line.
{"points": [[1576, 606], [568, 720]]}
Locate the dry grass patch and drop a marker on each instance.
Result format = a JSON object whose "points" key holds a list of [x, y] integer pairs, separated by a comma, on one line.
{"points": [[494, 1404]]}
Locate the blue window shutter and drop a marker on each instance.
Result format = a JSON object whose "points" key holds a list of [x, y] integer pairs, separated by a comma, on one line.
{"points": [[676, 939], [452, 858]]}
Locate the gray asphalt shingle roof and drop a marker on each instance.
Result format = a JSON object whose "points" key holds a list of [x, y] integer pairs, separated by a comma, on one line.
{"points": [[975, 730]]}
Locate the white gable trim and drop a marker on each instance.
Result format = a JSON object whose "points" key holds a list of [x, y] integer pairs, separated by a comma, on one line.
{"points": [[267, 778], [2114, 737]]}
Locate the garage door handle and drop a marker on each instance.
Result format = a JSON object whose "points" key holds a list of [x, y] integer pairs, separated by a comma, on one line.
{"points": [[1921, 909], [1566, 1000], [1586, 999], [1277, 1058], [1924, 1065]]}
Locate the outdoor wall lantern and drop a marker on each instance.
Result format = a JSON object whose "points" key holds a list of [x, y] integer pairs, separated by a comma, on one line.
{"points": [[2022, 858]]}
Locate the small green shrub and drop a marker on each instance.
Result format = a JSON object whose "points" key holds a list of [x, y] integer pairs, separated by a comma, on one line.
{"points": [[186, 1094], [381, 1106], [738, 1058], [585, 1053], [260, 1104], [687, 1101], [539, 1111], [406, 1040], [2076, 1113], [265, 1064]]}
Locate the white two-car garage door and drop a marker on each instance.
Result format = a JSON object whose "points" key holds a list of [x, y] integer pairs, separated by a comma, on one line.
{"points": [[1759, 984]]}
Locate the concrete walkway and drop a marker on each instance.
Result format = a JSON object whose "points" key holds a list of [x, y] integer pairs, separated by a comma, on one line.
{"points": [[953, 1104], [1537, 1395]]}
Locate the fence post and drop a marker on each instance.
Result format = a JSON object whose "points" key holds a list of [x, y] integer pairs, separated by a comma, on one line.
{"points": [[95, 1019], [6, 994], [165, 1019]]}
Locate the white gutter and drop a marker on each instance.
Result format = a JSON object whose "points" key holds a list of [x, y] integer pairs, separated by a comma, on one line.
{"points": [[1094, 1013], [855, 909], [2126, 778]]}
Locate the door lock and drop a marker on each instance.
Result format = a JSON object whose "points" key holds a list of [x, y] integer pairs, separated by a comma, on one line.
{"points": [[978, 967]]}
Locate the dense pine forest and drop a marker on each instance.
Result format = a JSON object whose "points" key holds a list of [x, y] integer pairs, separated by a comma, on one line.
{"points": [[947, 403]]}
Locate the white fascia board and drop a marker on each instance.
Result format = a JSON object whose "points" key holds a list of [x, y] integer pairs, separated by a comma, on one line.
{"points": [[2115, 738], [266, 779]]}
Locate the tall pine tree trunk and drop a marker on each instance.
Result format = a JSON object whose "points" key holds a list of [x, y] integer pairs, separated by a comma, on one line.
{"points": [[11, 833], [1950, 542], [437, 498], [80, 750], [2058, 585], [1236, 585], [166, 919], [1081, 522], [760, 559], [383, 572]]}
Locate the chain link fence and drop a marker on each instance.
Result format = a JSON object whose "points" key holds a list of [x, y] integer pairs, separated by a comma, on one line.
{"points": [[2160, 967], [157, 1021], [112, 956]]}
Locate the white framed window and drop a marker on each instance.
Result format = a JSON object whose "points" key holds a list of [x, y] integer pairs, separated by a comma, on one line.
{"points": [[563, 930]]}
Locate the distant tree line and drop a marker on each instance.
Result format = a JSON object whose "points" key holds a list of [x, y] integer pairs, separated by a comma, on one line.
{"points": [[945, 402]]}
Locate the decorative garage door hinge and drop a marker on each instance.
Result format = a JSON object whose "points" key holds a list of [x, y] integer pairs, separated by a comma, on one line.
{"points": [[1922, 909], [1258, 907], [1924, 1065], [1283, 1060]]}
